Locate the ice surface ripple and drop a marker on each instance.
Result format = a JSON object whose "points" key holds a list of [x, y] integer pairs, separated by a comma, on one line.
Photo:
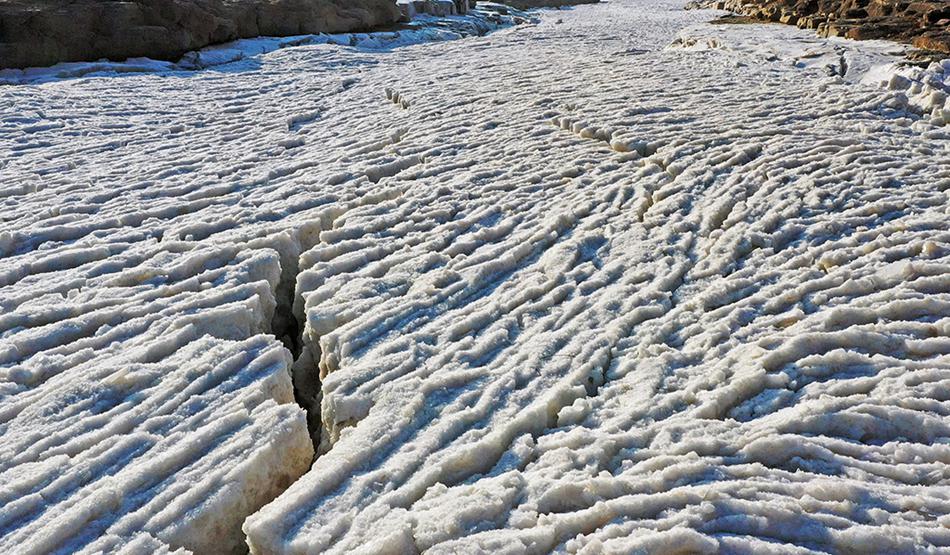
{"points": [[575, 292]]}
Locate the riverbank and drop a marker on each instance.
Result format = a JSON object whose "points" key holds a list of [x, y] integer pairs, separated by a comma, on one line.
{"points": [[487, 17], [925, 25], [40, 33]]}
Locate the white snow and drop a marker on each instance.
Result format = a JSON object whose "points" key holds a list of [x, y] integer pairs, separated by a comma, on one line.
{"points": [[925, 91], [580, 286], [140, 398]]}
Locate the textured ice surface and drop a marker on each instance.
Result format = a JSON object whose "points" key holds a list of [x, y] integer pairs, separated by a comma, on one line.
{"points": [[140, 402], [925, 91], [563, 288]]}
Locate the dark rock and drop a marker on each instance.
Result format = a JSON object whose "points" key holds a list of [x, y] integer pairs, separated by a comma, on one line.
{"points": [[45, 32]]}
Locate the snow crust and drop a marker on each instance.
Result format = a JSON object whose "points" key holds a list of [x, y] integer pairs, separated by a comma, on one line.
{"points": [[574, 287], [141, 403], [925, 91]]}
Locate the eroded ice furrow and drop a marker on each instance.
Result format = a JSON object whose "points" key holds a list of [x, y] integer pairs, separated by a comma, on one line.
{"points": [[143, 394], [584, 292], [445, 448]]}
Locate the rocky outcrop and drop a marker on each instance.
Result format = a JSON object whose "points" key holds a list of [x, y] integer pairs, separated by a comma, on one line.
{"points": [[530, 4], [442, 8], [438, 8], [925, 24], [44, 32]]}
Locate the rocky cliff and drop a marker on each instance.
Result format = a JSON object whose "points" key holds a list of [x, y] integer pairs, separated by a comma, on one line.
{"points": [[44, 32]]}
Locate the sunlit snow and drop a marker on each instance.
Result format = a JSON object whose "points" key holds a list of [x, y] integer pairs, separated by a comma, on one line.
{"points": [[615, 281]]}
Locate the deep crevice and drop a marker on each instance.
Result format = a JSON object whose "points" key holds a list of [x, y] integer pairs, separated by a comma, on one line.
{"points": [[289, 330]]}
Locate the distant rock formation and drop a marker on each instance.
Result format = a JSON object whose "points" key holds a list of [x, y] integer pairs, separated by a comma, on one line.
{"points": [[442, 8], [925, 24], [438, 8], [45, 32], [528, 4]]}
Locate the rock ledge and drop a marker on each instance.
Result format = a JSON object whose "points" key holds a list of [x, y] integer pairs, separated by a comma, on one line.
{"points": [[45, 32]]}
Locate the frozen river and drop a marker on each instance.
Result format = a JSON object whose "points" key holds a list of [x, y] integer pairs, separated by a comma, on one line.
{"points": [[613, 281]]}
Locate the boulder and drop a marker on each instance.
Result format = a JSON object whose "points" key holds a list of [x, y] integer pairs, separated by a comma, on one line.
{"points": [[935, 42], [45, 32], [407, 11], [440, 8]]}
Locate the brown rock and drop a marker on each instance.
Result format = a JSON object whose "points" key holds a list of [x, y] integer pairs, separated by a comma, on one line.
{"points": [[937, 42], [925, 23], [938, 14], [789, 19], [44, 32]]}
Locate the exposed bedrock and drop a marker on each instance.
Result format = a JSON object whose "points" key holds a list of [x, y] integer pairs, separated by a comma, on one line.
{"points": [[438, 8], [924, 24], [45, 32]]}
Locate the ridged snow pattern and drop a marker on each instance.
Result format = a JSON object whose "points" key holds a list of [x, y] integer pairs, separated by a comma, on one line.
{"points": [[140, 400], [562, 289]]}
